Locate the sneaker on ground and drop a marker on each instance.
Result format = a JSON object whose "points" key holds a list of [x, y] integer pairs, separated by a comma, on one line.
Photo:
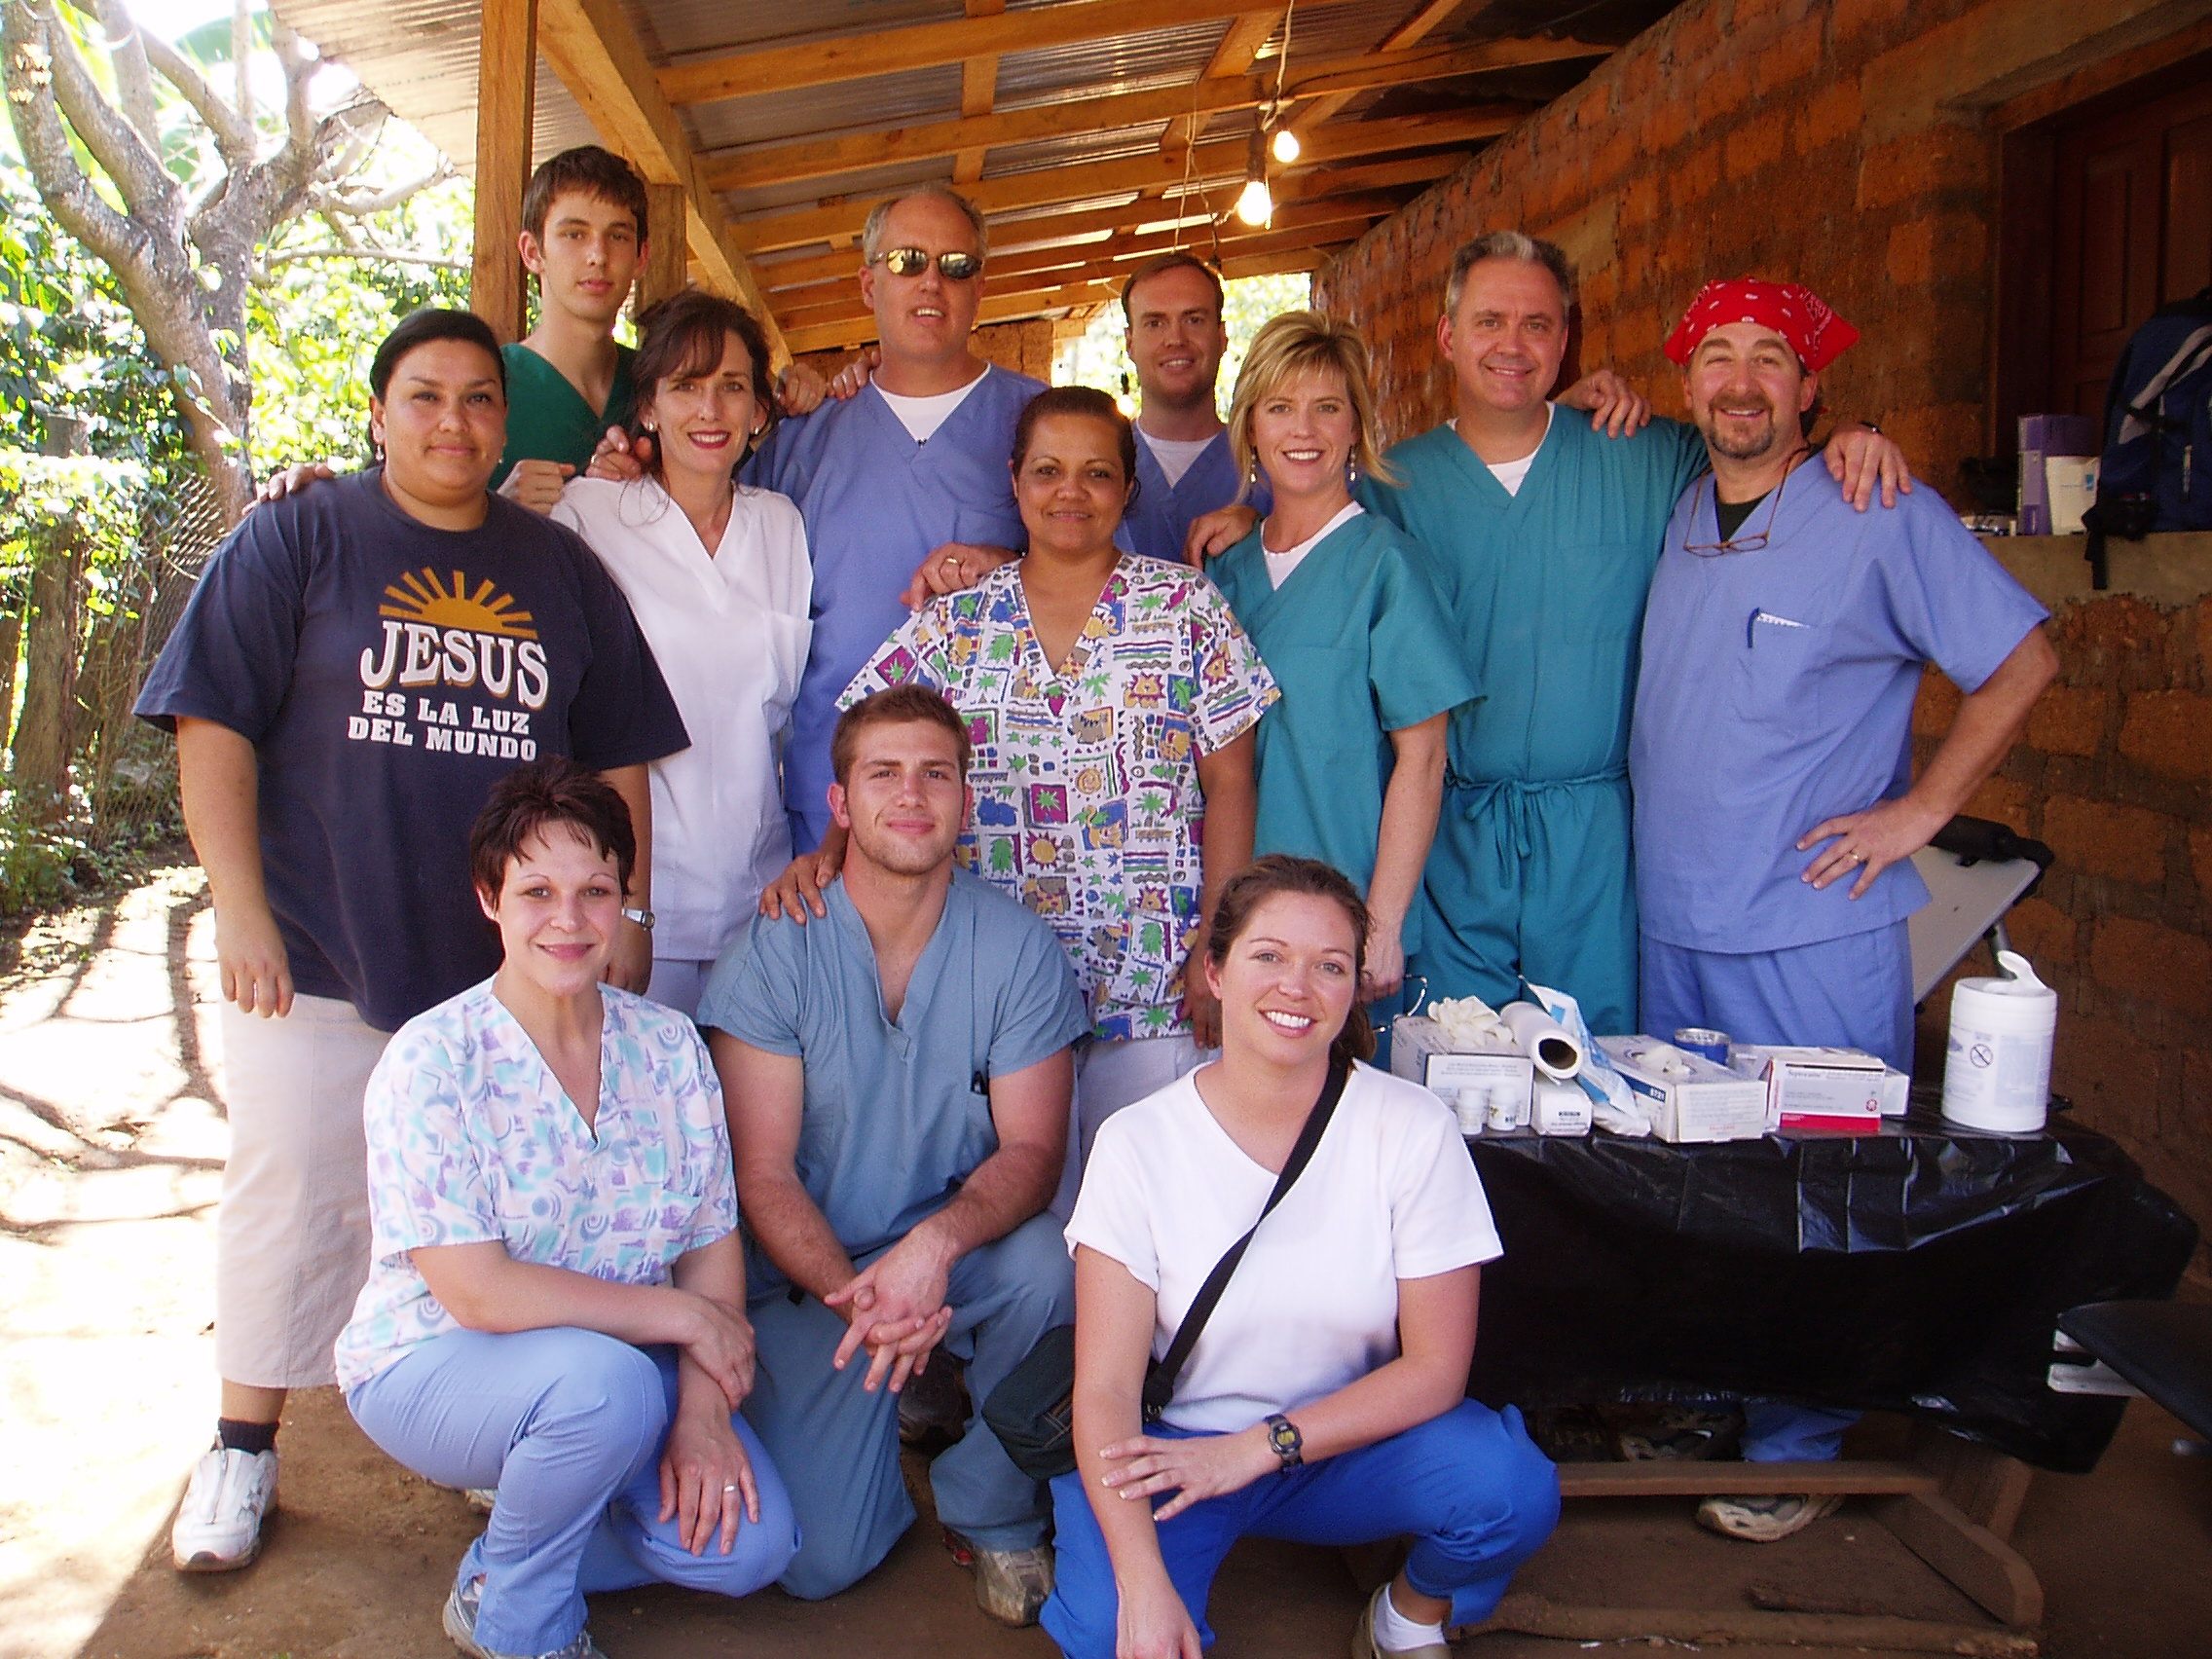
{"points": [[1365, 1647], [460, 1628], [218, 1525], [1010, 1585], [1762, 1520]]}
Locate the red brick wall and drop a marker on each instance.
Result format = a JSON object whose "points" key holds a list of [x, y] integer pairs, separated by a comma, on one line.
{"points": [[1854, 145], [2116, 774]]}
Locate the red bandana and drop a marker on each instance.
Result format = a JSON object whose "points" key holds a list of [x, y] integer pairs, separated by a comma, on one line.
{"points": [[1791, 309]]}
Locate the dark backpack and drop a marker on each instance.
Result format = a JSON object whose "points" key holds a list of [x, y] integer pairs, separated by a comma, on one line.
{"points": [[2155, 473]]}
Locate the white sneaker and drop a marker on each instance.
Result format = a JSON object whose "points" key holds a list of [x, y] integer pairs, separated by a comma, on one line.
{"points": [[218, 1527]]}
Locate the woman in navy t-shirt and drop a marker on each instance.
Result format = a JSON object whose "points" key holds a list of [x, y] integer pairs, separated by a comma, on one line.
{"points": [[358, 666]]}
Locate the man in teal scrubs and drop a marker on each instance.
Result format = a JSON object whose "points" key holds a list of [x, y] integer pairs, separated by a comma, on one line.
{"points": [[898, 1077], [1541, 535]]}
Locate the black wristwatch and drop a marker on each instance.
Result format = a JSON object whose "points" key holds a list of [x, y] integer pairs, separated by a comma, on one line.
{"points": [[1285, 1442]]}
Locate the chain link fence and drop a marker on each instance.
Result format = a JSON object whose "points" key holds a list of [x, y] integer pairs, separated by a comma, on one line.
{"points": [[90, 791]]}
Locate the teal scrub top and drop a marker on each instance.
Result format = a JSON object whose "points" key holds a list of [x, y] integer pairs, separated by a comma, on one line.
{"points": [[897, 1113], [1361, 644], [1545, 588], [548, 419]]}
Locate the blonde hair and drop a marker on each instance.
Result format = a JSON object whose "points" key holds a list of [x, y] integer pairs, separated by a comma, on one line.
{"points": [[1301, 343]]}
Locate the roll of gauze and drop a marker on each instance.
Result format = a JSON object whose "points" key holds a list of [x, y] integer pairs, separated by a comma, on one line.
{"points": [[1543, 1038], [1663, 1058]]}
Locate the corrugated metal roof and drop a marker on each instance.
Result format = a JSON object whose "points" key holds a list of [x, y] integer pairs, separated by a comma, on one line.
{"points": [[421, 56]]}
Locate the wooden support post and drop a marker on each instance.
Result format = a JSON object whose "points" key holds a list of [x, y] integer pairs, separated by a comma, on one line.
{"points": [[668, 244], [506, 91]]}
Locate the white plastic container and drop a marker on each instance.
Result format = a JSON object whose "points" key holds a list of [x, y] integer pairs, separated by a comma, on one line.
{"points": [[1996, 1072]]}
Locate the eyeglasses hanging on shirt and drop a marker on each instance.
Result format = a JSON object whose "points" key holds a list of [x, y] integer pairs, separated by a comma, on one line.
{"points": [[953, 267], [1758, 540]]}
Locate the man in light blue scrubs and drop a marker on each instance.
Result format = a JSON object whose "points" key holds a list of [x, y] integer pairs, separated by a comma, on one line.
{"points": [[897, 1077], [904, 486], [1176, 337], [1776, 810], [1541, 534]]}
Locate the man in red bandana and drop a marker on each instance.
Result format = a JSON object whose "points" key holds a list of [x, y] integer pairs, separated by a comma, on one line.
{"points": [[1770, 752]]}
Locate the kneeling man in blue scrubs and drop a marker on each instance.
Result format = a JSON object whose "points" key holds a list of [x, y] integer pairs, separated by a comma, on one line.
{"points": [[1776, 811], [897, 1077]]}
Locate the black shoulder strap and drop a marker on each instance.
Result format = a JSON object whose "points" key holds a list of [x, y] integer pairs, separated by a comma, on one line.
{"points": [[1159, 1378]]}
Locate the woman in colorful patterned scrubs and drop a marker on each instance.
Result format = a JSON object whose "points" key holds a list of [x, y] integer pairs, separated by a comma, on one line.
{"points": [[556, 1304], [1112, 700]]}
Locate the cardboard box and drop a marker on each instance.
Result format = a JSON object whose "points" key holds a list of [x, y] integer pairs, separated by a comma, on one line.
{"points": [[2041, 437], [1560, 1108], [1702, 1102], [1822, 1090], [1479, 1085]]}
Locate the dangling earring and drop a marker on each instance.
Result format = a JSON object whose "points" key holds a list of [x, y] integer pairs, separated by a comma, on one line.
{"points": [[1351, 474]]}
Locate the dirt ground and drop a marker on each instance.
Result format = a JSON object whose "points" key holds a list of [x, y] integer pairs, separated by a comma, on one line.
{"points": [[111, 1144]]}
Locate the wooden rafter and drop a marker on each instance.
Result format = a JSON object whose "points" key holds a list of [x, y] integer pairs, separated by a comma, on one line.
{"points": [[926, 45], [1231, 59], [1106, 260], [1209, 164], [1410, 31], [820, 158], [592, 48], [978, 91]]}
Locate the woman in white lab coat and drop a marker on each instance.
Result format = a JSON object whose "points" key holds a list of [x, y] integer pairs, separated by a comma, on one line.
{"points": [[718, 577]]}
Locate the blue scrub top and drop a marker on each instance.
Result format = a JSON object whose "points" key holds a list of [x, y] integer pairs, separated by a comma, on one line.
{"points": [[1358, 642], [876, 503], [1545, 587], [1163, 513], [1777, 693], [897, 1113]]}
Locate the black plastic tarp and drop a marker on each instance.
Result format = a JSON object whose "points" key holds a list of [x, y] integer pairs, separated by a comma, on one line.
{"points": [[1922, 1269]]}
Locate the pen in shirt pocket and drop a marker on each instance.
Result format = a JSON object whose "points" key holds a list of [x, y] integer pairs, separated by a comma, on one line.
{"points": [[1762, 614]]}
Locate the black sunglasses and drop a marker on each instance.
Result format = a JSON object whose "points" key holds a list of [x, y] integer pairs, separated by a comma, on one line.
{"points": [[954, 266]]}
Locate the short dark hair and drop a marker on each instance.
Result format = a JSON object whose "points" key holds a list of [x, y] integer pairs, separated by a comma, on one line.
{"points": [[899, 705], [1243, 894], [587, 171], [682, 337], [531, 801], [1167, 262], [1083, 400], [420, 328]]}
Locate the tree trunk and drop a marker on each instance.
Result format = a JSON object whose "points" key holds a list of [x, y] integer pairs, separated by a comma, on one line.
{"points": [[40, 766], [10, 645]]}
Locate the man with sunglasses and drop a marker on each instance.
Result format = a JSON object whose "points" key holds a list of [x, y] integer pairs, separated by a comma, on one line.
{"points": [[903, 487], [1776, 810]]}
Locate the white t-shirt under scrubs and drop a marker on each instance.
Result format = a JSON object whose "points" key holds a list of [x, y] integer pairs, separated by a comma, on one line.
{"points": [[1391, 1194]]}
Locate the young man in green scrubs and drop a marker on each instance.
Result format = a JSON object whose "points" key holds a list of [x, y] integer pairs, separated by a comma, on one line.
{"points": [[583, 232]]}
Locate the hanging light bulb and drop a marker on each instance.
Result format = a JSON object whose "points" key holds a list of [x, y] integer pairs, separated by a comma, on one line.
{"points": [[1255, 204], [1285, 146]]}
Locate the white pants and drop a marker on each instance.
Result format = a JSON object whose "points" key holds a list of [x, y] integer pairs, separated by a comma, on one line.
{"points": [[292, 1239], [1109, 1075], [678, 984]]}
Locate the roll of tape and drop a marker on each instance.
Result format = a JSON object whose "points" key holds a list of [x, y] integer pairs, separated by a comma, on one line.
{"points": [[1699, 1040]]}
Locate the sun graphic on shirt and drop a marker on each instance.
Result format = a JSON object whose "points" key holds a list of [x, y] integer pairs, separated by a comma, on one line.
{"points": [[421, 595]]}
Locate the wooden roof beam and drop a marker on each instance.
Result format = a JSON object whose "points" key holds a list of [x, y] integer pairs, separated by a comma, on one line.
{"points": [[1211, 164], [821, 158], [593, 49], [859, 331], [926, 45], [1232, 59], [1411, 30], [978, 91], [1107, 261]]}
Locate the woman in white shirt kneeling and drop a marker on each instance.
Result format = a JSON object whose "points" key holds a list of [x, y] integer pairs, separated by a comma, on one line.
{"points": [[1324, 1402], [718, 577]]}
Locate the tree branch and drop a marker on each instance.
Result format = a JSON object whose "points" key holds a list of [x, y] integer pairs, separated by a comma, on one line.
{"points": [[298, 70], [367, 255], [126, 54], [364, 203], [62, 184], [235, 139], [148, 188]]}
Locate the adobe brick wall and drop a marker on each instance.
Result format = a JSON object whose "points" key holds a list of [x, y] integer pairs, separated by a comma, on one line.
{"points": [[1852, 145]]}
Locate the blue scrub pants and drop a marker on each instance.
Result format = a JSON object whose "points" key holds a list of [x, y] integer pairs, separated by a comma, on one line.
{"points": [[1532, 881], [838, 1445], [1853, 992], [568, 1425], [1468, 1486]]}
